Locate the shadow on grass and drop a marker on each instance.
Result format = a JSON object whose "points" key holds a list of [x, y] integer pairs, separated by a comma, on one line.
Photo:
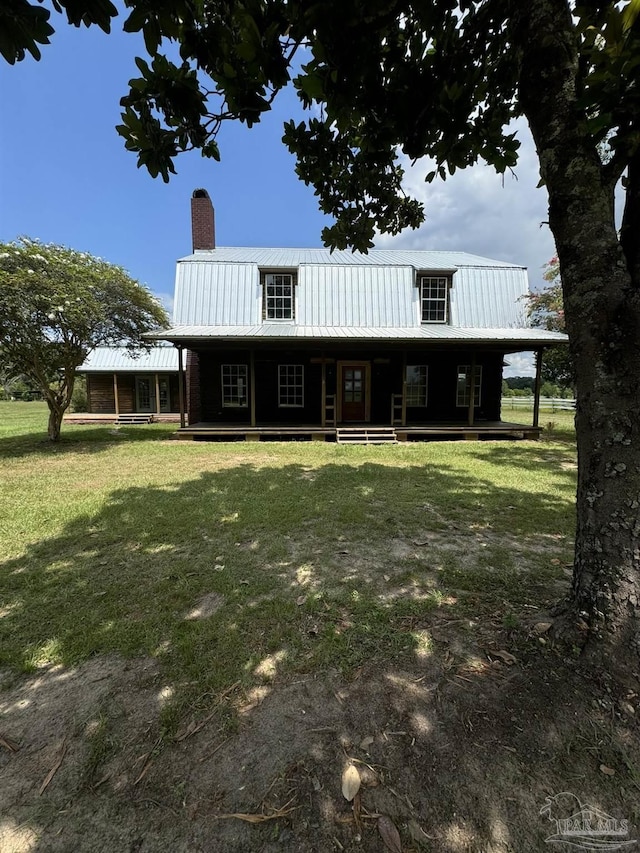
{"points": [[81, 439], [122, 581], [524, 456], [255, 574]]}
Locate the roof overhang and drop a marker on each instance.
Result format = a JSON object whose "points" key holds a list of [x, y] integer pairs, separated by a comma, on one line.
{"points": [[521, 339]]}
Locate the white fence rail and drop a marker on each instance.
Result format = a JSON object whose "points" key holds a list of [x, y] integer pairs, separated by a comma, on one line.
{"points": [[554, 404]]}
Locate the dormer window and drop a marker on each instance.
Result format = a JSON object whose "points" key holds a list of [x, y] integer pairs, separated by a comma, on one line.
{"points": [[278, 296], [434, 298]]}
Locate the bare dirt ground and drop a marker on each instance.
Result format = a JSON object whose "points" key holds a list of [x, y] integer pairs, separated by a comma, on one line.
{"points": [[459, 749]]}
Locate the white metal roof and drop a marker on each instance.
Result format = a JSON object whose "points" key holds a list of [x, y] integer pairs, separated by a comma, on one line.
{"points": [[162, 358], [372, 291], [268, 257], [434, 332]]}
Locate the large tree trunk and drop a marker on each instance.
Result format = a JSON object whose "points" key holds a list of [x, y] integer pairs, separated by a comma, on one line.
{"points": [[58, 403], [602, 312]]}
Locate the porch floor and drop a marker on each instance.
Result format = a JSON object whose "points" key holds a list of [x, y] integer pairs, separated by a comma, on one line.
{"points": [[203, 431], [110, 418]]}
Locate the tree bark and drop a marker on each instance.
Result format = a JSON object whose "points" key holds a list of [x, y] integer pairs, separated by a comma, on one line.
{"points": [[58, 403], [55, 420], [602, 312]]}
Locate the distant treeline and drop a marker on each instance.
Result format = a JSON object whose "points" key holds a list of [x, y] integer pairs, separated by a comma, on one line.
{"points": [[523, 386]]}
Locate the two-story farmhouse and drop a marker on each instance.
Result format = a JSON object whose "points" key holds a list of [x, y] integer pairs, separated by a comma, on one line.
{"points": [[309, 342]]}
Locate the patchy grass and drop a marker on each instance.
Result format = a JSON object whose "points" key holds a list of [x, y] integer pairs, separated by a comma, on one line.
{"points": [[318, 555], [201, 630]]}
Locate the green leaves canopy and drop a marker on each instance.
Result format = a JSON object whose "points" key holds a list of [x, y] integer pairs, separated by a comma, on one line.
{"points": [[437, 79]]}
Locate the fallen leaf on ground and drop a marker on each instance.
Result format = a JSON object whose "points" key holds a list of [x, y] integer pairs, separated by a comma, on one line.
{"points": [[61, 754], [366, 742], [389, 834], [506, 657], [260, 817], [542, 627], [350, 782], [356, 806]]}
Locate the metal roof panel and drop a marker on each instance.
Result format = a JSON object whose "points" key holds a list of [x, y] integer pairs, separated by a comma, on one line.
{"points": [[434, 332], [162, 358], [292, 257], [337, 294]]}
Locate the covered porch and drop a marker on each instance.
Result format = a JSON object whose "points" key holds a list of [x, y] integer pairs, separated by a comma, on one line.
{"points": [[390, 393]]}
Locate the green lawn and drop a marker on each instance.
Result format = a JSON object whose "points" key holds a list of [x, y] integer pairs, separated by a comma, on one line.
{"points": [[254, 561]]}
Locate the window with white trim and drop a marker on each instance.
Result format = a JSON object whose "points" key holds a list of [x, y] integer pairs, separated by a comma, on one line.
{"points": [[416, 385], [463, 387], [290, 385], [434, 298], [278, 296], [234, 386]]}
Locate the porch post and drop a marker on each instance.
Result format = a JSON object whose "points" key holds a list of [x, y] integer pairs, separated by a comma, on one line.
{"points": [[157, 395], [472, 391], [323, 410], [181, 387], [536, 392], [252, 388], [115, 393], [404, 388]]}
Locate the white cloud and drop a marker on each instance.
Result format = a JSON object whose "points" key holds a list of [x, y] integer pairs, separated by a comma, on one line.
{"points": [[478, 211], [520, 364]]}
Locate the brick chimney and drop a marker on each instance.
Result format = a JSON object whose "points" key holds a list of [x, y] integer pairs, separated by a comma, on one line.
{"points": [[203, 226]]}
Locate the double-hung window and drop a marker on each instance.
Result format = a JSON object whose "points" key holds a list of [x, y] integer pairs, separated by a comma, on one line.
{"points": [[278, 301], [434, 298], [234, 386], [416, 385], [290, 385], [463, 388]]}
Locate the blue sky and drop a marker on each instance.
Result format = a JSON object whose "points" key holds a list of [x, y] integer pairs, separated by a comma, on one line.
{"points": [[66, 178]]}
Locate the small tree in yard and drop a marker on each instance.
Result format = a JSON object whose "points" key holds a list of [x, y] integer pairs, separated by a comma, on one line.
{"points": [[56, 305]]}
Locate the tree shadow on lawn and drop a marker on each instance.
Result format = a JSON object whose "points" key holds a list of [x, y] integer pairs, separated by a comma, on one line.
{"points": [[81, 439], [525, 455], [239, 637]]}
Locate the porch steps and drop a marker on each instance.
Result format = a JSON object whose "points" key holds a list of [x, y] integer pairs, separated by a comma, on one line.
{"points": [[366, 435], [134, 419]]}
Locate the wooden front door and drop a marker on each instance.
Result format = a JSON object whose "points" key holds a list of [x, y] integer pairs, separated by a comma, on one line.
{"points": [[353, 392]]}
